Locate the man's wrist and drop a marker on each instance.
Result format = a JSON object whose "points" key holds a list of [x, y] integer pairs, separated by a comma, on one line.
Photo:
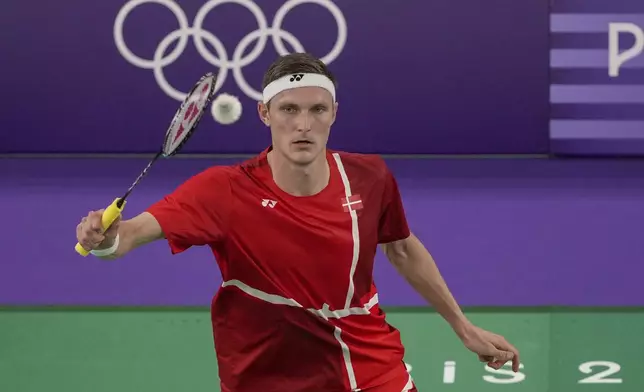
{"points": [[107, 243], [109, 250], [461, 326]]}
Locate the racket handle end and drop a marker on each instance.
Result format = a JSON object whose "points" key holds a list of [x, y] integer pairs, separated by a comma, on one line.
{"points": [[110, 214], [80, 250]]}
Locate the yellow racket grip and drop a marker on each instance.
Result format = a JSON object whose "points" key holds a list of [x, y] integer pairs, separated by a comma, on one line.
{"points": [[110, 214]]}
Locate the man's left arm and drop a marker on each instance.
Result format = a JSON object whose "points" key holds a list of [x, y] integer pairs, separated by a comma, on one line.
{"points": [[414, 262]]}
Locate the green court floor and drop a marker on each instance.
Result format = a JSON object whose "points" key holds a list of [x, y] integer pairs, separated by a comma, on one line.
{"points": [[97, 350]]}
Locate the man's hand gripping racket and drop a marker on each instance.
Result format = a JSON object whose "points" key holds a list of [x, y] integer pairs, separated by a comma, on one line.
{"points": [[183, 125]]}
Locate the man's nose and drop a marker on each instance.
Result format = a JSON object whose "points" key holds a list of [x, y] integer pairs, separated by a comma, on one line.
{"points": [[304, 122]]}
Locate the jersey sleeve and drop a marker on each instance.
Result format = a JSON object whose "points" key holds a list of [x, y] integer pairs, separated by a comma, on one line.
{"points": [[197, 212], [393, 224]]}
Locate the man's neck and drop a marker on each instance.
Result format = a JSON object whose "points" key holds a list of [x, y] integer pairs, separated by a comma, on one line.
{"points": [[299, 180]]}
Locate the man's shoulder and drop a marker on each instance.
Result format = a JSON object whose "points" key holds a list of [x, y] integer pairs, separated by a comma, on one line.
{"points": [[229, 177], [214, 173], [230, 170], [363, 164]]}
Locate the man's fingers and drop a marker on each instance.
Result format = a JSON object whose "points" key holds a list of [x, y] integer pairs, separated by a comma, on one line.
{"points": [[496, 364], [504, 355], [113, 229], [497, 360], [515, 359], [96, 223], [497, 351], [89, 230], [95, 220], [501, 358], [515, 363], [91, 242], [506, 347], [486, 358]]}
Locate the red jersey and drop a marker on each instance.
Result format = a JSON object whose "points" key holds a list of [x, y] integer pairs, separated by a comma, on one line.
{"points": [[298, 308]]}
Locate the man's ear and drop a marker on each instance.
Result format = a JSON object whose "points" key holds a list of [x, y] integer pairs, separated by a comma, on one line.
{"points": [[262, 111], [335, 112]]}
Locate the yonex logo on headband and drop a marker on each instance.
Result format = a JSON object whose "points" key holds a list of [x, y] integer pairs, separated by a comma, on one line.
{"points": [[219, 56], [298, 80]]}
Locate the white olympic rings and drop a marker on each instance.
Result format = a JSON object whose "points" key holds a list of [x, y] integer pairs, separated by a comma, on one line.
{"points": [[220, 59]]}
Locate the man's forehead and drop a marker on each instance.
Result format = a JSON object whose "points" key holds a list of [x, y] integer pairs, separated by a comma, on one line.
{"points": [[303, 96]]}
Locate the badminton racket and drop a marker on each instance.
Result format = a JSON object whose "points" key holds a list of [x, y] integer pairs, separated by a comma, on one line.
{"points": [[182, 126]]}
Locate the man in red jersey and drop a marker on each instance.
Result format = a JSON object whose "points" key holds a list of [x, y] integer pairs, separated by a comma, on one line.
{"points": [[295, 231]]}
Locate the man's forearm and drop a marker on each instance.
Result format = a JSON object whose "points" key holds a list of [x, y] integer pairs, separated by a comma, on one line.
{"points": [[416, 265]]}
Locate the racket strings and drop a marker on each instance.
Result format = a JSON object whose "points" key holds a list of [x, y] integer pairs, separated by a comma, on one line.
{"points": [[189, 115], [184, 123]]}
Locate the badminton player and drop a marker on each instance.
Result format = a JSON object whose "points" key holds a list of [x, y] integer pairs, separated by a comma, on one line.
{"points": [[294, 231]]}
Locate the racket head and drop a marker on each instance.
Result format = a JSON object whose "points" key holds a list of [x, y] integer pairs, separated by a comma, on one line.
{"points": [[188, 116]]}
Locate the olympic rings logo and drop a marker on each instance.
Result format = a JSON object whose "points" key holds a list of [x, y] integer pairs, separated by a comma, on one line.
{"points": [[221, 59]]}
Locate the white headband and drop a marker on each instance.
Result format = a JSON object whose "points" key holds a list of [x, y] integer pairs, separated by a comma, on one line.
{"points": [[298, 80]]}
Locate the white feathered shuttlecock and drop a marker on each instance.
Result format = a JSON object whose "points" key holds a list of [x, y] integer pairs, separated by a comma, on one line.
{"points": [[226, 109]]}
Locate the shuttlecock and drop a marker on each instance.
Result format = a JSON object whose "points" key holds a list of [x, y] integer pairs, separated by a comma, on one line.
{"points": [[226, 108]]}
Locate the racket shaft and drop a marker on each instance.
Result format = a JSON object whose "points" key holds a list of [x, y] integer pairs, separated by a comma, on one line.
{"points": [[143, 173], [110, 214]]}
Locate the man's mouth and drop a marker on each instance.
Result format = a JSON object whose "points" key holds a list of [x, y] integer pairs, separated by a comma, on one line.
{"points": [[302, 142]]}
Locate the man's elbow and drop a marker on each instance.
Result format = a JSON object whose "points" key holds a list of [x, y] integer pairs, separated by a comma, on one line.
{"points": [[398, 252]]}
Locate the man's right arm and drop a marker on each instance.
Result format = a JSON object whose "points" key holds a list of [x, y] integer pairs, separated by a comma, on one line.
{"points": [[196, 213], [140, 230]]}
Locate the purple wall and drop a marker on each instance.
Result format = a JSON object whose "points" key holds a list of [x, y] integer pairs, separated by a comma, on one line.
{"points": [[505, 232], [441, 76], [416, 77], [451, 81]]}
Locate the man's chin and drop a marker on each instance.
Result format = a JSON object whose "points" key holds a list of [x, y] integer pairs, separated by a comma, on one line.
{"points": [[303, 157]]}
